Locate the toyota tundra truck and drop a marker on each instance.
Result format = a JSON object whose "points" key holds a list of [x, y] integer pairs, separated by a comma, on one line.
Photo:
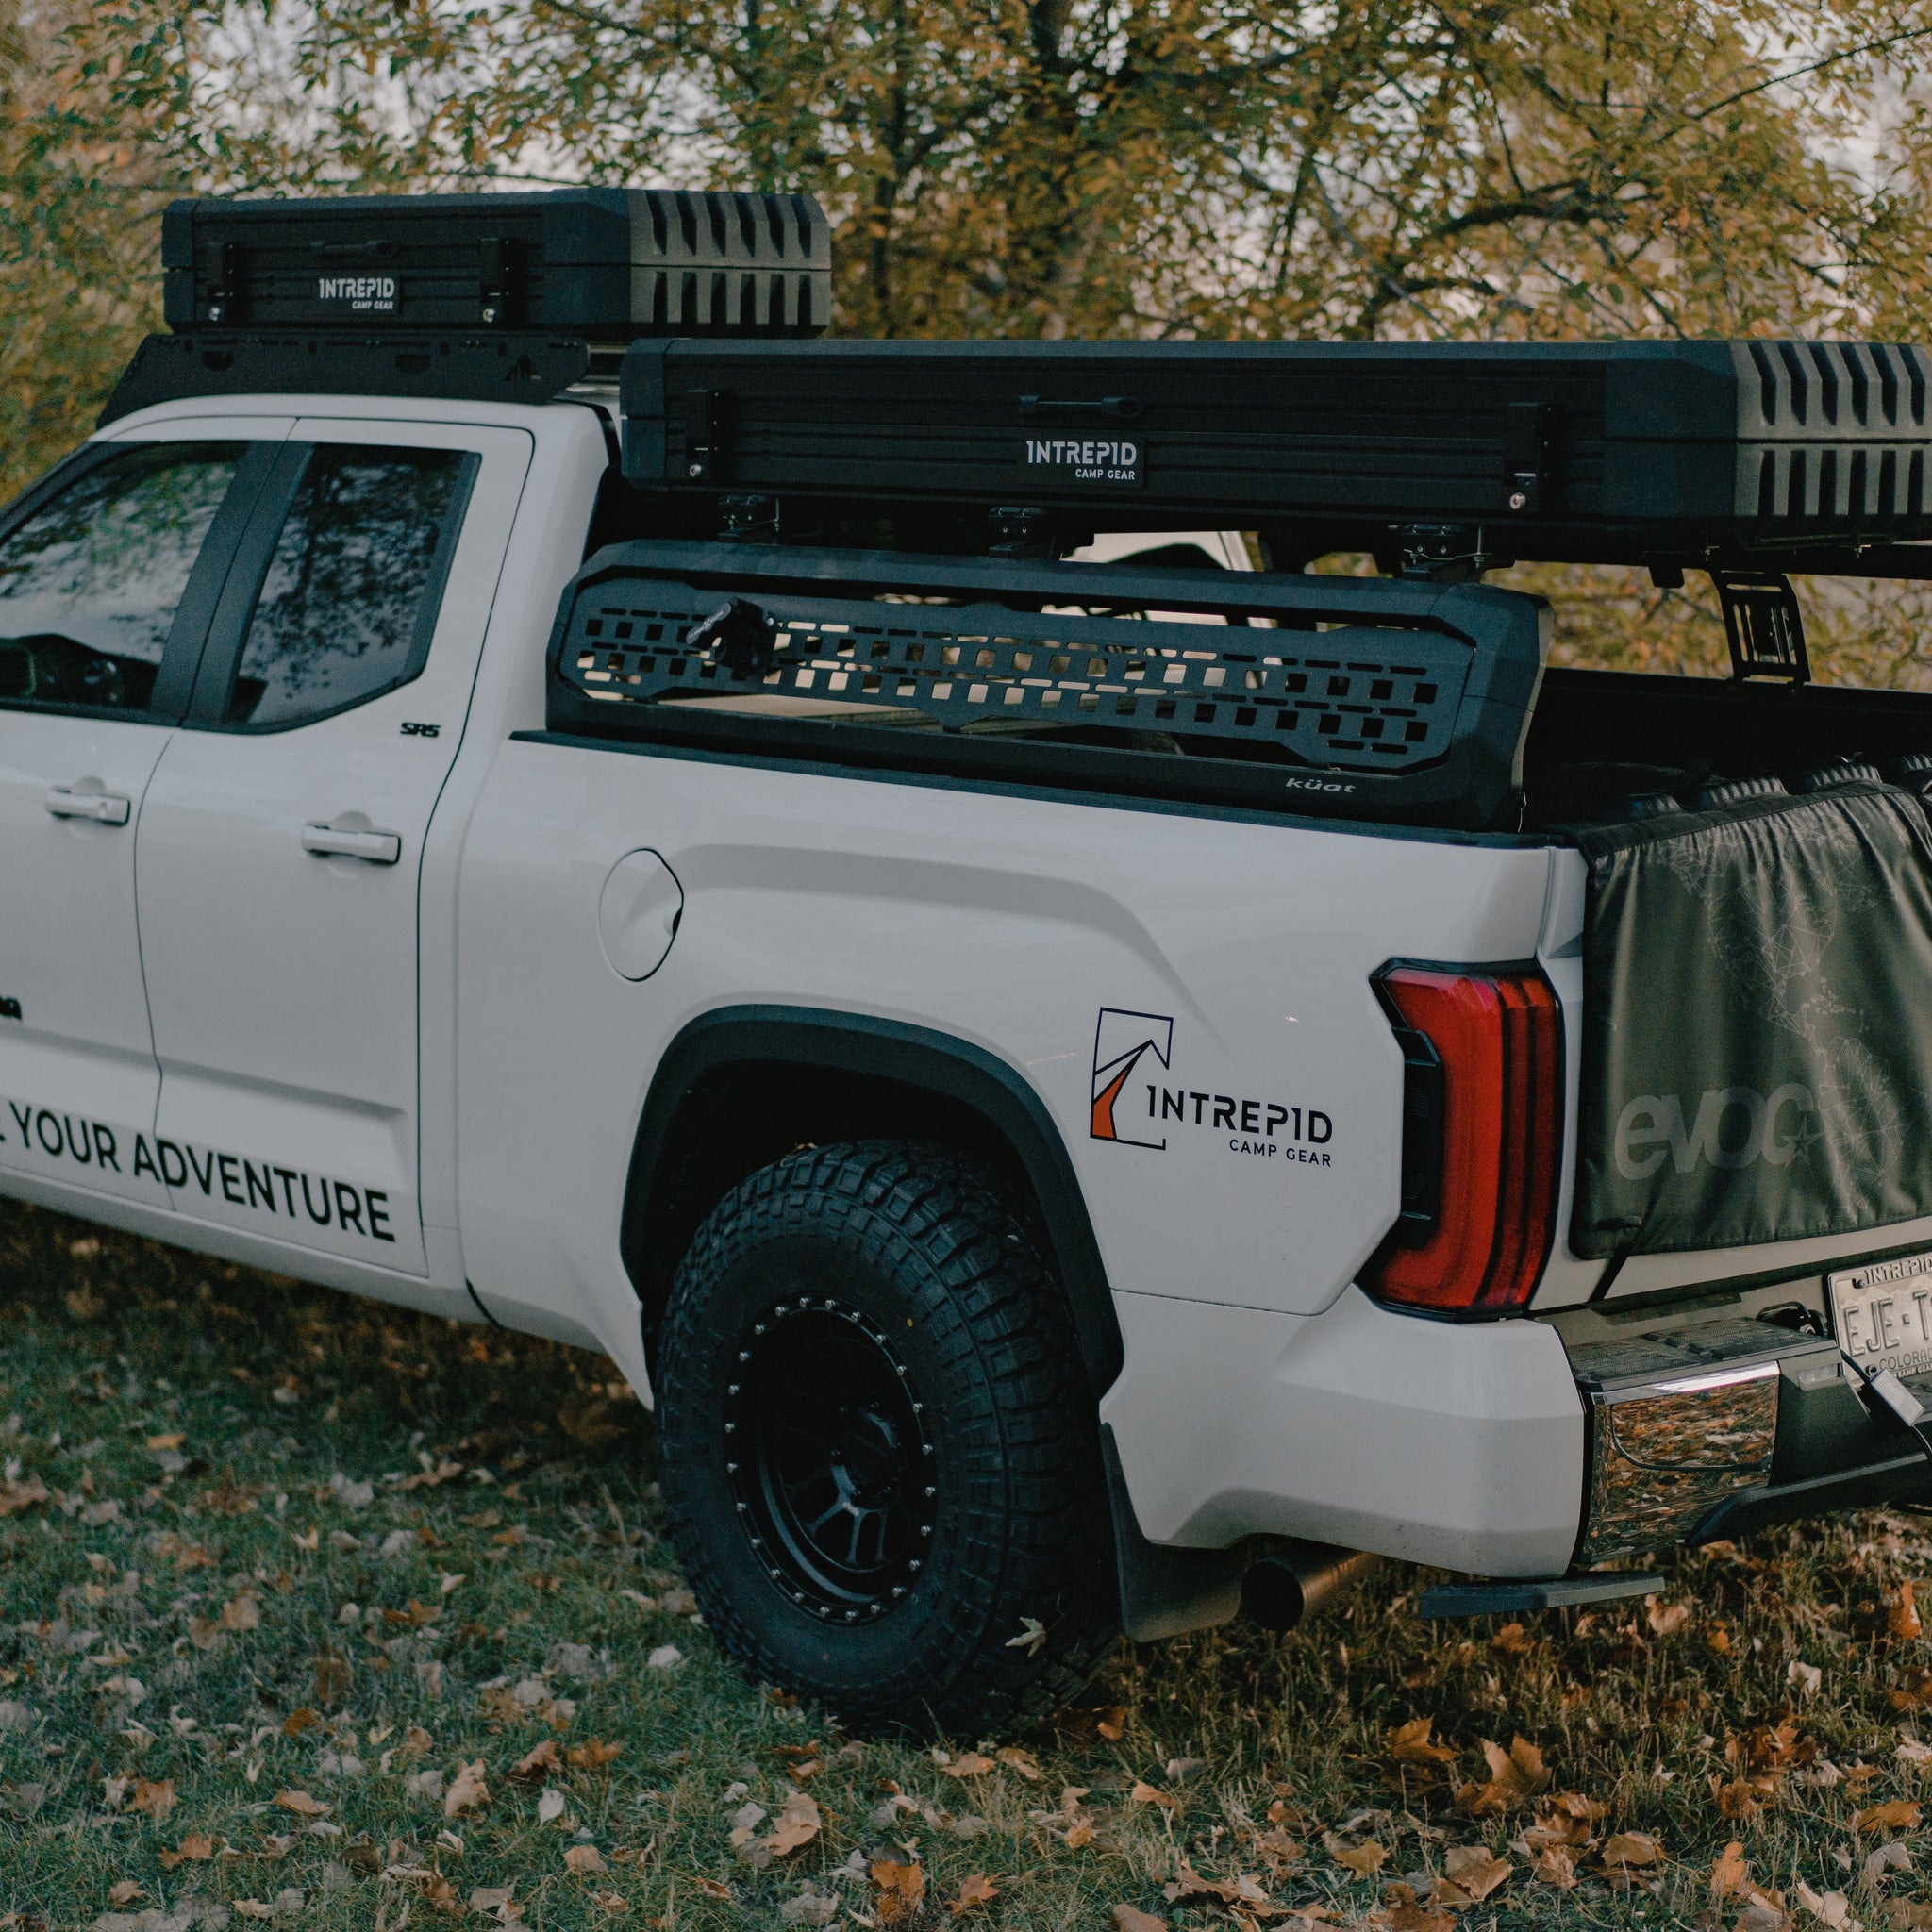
{"points": [[1093, 1064]]}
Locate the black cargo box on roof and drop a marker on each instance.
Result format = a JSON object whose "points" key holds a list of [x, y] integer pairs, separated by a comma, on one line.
{"points": [[607, 264], [1570, 450]]}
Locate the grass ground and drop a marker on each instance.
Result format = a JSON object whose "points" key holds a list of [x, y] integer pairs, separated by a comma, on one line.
{"points": [[291, 1585]]}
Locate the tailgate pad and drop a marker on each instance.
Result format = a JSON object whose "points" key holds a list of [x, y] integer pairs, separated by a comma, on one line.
{"points": [[1757, 1024]]}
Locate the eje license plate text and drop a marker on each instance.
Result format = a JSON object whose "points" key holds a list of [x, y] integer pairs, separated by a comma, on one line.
{"points": [[1883, 1314]]}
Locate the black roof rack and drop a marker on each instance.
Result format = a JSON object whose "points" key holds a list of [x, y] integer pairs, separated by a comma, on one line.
{"points": [[1439, 451]]}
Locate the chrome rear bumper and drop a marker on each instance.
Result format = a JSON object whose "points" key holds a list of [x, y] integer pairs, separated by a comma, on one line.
{"points": [[1681, 1424]]}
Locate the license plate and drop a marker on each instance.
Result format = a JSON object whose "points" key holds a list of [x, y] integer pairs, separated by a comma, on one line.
{"points": [[1882, 1315]]}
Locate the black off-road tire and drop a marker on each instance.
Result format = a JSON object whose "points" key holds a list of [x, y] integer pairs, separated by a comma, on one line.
{"points": [[880, 1307]]}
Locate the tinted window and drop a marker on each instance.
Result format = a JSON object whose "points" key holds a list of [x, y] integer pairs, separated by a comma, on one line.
{"points": [[89, 583], [350, 597]]}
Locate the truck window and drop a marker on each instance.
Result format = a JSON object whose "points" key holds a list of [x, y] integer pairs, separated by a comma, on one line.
{"points": [[89, 582], [349, 602]]}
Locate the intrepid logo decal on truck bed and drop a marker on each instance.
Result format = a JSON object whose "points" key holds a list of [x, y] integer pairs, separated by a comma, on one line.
{"points": [[1270, 1129], [1120, 1042]]}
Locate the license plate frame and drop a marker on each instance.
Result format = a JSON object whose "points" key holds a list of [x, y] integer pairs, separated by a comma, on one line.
{"points": [[1881, 1314]]}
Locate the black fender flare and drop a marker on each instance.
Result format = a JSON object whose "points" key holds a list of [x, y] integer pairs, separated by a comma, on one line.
{"points": [[911, 1056]]}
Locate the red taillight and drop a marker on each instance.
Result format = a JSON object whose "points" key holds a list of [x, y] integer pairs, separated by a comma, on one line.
{"points": [[1482, 1134]]}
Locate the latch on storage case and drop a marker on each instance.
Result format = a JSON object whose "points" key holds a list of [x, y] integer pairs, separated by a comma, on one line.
{"points": [[1526, 443]]}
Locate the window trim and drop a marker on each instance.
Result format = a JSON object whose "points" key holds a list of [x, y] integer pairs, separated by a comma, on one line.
{"points": [[227, 639], [194, 614]]}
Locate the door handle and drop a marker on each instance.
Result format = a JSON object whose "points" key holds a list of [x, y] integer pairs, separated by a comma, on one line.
{"points": [[104, 807], [331, 841]]}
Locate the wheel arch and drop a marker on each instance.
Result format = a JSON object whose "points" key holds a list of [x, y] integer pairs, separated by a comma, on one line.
{"points": [[741, 1086]]}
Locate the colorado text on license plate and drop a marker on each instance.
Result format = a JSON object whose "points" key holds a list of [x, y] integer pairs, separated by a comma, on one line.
{"points": [[1883, 1314]]}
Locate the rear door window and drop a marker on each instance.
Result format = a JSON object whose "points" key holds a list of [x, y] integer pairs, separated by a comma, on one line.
{"points": [[350, 597], [92, 581]]}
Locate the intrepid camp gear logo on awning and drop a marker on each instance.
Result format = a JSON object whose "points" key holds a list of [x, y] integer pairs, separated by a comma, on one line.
{"points": [[1121, 1042], [375, 294], [1088, 460]]}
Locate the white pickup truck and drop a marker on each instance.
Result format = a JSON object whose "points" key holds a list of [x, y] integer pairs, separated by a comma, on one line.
{"points": [[1018, 1200]]}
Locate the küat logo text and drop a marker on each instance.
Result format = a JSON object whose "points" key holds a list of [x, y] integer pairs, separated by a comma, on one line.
{"points": [[1734, 1126], [371, 294], [1137, 1103]]}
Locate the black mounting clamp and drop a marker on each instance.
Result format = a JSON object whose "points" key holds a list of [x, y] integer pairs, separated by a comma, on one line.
{"points": [[739, 635]]}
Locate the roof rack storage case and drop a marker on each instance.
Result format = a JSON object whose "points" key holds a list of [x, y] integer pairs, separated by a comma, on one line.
{"points": [[1363, 698], [486, 295], [1566, 450]]}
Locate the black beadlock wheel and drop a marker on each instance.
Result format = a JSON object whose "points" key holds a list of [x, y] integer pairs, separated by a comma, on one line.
{"points": [[879, 1450]]}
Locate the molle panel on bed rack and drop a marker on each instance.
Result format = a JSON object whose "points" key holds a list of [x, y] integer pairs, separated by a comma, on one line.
{"points": [[1363, 697]]}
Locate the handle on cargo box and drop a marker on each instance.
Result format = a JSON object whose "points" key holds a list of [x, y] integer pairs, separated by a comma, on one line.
{"points": [[1126, 407]]}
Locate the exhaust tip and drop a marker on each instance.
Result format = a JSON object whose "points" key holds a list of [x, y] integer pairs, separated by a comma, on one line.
{"points": [[1292, 1579]]}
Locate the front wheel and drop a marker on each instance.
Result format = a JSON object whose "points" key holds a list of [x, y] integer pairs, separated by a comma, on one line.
{"points": [[879, 1451]]}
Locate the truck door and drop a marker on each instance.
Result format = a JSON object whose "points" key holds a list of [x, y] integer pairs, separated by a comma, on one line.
{"points": [[109, 573], [281, 844]]}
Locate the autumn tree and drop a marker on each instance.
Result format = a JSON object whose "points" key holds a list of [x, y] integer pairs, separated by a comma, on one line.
{"points": [[1034, 168]]}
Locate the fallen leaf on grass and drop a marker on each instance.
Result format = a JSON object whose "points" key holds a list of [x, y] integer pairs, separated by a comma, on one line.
{"points": [[1665, 1620], [1516, 1775], [197, 1846], [1016, 1759], [1364, 1859], [1828, 1907], [1628, 1857], [1409, 1744], [1144, 1794], [1764, 1914], [1896, 1814], [977, 1889], [1887, 1857], [1512, 1639], [968, 1764], [1470, 1873], [1566, 1819], [550, 1807], [798, 1824], [1631, 1848], [123, 1892], [468, 1791], [332, 1678], [585, 1860], [1902, 1619], [155, 1796], [1554, 1866], [535, 1764], [1402, 1912], [1742, 1798], [898, 1890], [16, 1496], [1729, 1875], [1914, 1692], [1132, 1919], [592, 1755], [1188, 1886], [301, 1805], [299, 1721]]}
